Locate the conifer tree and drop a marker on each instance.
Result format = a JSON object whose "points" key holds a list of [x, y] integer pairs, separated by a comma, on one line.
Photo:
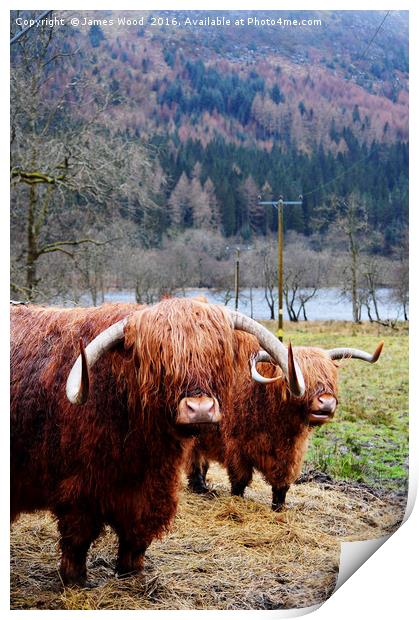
{"points": [[178, 202], [256, 212], [209, 190]]}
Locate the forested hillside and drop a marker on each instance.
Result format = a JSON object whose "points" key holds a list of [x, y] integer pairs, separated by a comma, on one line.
{"points": [[151, 126], [242, 112]]}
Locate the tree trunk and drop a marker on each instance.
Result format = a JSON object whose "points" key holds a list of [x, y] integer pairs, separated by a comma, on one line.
{"points": [[102, 289], [32, 247], [137, 292], [270, 301], [290, 304], [356, 310], [227, 296], [93, 293], [375, 303]]}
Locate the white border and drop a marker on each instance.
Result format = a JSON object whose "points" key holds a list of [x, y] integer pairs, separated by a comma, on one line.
{"points": [[386, 585]]}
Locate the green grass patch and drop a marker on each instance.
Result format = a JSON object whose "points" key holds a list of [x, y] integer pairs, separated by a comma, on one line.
{"points": [[368, 440]]}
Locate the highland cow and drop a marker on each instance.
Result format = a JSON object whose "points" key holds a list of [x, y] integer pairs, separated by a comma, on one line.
{"points": [[100, 440], [269, 428]]}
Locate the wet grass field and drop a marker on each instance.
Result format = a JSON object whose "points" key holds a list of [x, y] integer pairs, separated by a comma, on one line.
{"points": [[368, 440]]}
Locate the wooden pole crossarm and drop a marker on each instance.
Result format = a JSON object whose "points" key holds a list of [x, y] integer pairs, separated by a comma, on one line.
{"points": [[279, 206]]}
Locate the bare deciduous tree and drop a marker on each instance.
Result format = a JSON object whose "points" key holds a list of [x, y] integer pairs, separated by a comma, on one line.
{"points": [[66, 168], [348, 218], [302, 278], [265, 256]]}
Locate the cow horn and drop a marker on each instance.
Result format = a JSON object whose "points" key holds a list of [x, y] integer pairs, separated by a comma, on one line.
{"points": [[274, 347], [292, 373], [77, 388], [261, 356], [84, 379], [338, 354]]}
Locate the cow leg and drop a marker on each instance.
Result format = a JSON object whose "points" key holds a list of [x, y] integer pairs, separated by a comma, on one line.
{"points": [[78, 530], [240, 473], [197, 476], [205, 466], [135, 534], [131, 552], [278, 497], [142, 514], [196, 470]]}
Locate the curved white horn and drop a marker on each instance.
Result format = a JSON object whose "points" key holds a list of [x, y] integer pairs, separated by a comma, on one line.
{"points": [[261, 356], [274, 347], [77, 388], [338, 354]]}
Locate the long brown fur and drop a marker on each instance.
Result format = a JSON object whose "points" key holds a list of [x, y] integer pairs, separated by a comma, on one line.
{"points": [[268, 428], [114, 460]]}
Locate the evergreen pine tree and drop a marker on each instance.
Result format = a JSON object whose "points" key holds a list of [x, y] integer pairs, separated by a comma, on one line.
{"points": [[178, 202]]}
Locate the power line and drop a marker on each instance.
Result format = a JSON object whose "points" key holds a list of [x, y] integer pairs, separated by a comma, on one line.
{"points": [[374, 35], [341, 174], [338, 176]]}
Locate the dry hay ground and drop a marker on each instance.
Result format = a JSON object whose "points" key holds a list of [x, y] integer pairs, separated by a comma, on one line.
{"points": [[223, 553]]}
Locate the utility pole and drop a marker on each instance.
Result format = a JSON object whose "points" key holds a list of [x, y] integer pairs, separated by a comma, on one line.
{"points": [[237, 279], [279, 206], [238, 249], [280, 210]]}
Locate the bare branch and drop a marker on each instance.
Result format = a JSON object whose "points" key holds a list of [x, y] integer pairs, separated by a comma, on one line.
{"points": [[57, 245]]}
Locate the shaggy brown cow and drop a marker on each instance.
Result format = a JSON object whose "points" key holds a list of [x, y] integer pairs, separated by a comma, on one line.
{"points": [[269, 428], [107, 449]]}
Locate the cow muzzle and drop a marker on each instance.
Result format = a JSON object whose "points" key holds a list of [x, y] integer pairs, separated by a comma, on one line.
{"points": [[322, 410], [198, 410]]}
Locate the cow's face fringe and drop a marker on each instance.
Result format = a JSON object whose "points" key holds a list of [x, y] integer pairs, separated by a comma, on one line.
{"points": [[181, 347], [320, 372]]}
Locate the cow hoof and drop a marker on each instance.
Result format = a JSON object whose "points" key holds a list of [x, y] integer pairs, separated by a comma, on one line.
{"points": [[71, 580], [237, 492], [278, 507], [200, 489], [126, 573]]}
